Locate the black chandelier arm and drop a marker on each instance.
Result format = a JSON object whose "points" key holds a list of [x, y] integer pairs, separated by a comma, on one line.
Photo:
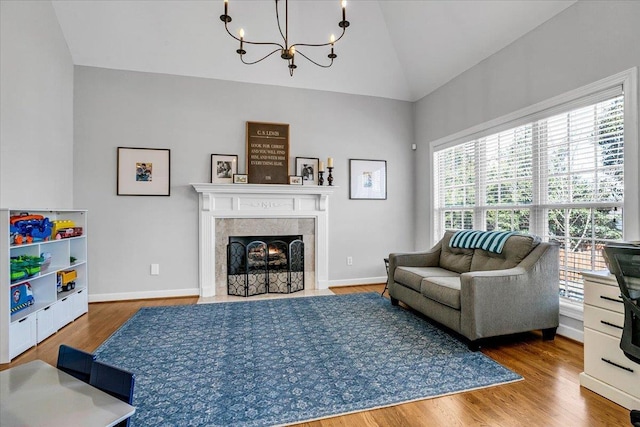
{"points": [[314, 62], [259, 60], [250, 42], [344, 30]]}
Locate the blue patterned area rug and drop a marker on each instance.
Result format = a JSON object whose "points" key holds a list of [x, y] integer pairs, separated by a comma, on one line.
{"points": [[274, 362]]}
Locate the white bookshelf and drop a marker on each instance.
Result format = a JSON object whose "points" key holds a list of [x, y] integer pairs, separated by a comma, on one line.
{"points": [[52, 310]]}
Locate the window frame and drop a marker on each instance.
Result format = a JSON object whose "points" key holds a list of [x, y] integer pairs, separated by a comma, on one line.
{"points": [[625, 82]]}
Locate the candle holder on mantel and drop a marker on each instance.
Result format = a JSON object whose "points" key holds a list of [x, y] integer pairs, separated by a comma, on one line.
{"points": [[320, 178], [330, 177]]}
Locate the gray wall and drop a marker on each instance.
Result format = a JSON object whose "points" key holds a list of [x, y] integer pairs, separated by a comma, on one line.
{"points": [[36, 108], [197, 117], [589, 41]]}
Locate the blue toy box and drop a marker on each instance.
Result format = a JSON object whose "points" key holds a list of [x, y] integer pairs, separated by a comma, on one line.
{"points": [[21, 297]]}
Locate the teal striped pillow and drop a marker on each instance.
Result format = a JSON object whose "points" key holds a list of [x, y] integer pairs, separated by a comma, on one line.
{"points": [[492, 241]]}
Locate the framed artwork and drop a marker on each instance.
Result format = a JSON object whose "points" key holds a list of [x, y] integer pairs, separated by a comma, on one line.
{"points": [[240, 178], [267, 153], [295, 180], [223, 167], [307, 168], [368, 179], [143, 171]]}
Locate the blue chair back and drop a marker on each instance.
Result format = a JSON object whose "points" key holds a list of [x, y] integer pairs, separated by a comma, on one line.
{"points": [[75, 362], [114, 381]]}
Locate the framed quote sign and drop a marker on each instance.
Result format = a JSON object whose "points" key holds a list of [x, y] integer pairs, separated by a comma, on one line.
{"points": [[268, 153]]}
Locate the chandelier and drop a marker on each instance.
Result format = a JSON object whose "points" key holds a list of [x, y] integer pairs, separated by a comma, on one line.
{"points": [[287, 51]]}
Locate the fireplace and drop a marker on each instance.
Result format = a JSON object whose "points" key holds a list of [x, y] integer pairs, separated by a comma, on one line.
{"points": [[265, 264], [252, 209]]}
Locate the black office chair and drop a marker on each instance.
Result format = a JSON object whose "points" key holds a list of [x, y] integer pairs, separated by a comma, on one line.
{"points": [[115, 381], [624, 263], [75, 362]]}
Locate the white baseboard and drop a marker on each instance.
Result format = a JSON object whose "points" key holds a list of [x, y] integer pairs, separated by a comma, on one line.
{"points": [[360, 281], [571, 333], [144, 295]]}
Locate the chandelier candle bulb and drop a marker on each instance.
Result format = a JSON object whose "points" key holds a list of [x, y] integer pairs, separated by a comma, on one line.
{"points": [[241, 51], [292, 52], [332, 40], [344, 10], [225, 17]]}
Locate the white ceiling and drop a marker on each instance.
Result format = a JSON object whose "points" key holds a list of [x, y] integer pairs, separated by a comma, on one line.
{"points": [[395, 49]]}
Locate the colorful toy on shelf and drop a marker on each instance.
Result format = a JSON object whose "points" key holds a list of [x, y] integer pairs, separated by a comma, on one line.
{"points": [[46, 260], [65, 228], [21, 297], [25, 266], [26, 228], [66, 280], [17, 273]]}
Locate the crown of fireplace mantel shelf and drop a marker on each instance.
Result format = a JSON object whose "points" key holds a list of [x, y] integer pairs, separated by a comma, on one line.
{"points": [[265, 192], [262, 201], [263, 189]]}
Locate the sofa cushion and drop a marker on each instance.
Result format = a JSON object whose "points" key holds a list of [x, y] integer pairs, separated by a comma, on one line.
{"points": [[454, 259], [411, 277], [515, 249], [445, 290]]}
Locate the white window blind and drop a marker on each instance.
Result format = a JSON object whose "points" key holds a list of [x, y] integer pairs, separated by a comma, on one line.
{"points": [[560, 176]]}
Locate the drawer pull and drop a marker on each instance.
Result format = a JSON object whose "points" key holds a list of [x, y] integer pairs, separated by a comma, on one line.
{"points": [[612, 299], [64, 299], [611, 324], [22, 320], [47, 308], [616, 365]]}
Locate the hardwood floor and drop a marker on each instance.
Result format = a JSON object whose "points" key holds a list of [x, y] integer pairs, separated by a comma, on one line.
{"points": [[550, 394]]}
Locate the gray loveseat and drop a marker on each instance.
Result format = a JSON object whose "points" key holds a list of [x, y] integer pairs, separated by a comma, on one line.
{"points": [[478, 293]]}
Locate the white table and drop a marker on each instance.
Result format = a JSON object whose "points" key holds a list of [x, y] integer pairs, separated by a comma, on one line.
{"points": [[37, 394]]}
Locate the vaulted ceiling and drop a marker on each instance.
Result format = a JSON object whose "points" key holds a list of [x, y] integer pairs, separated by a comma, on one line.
{"points": [[393, 49]]}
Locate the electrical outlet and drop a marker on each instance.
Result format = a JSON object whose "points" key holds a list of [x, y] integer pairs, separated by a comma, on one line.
{"points": [[349, 260], [155, 269]]}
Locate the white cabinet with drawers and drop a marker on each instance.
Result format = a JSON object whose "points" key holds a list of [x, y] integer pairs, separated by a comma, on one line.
{"points": [[38, 300], [607, 371]]}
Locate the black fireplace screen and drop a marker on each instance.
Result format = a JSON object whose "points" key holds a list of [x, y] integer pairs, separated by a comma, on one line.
{"points": [[265, 264]]}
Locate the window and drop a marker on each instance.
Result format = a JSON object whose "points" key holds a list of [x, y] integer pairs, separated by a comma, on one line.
{"points": [[560, 176]]}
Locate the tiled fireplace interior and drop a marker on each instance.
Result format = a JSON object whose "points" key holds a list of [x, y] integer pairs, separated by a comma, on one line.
{"points": [[226, 227]]}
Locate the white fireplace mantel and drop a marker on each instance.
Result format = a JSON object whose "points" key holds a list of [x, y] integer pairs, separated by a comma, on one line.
{"points": [[261, 201]]}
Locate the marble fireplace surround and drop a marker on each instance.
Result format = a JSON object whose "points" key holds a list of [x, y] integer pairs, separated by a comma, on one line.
{"points": [[277, 206]]}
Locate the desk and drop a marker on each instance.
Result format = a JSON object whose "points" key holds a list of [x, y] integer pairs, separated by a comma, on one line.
{"points": [[607, 371], [37, 394]]}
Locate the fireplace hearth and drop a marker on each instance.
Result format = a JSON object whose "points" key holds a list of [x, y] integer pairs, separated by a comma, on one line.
{"points": [[265, 264]]}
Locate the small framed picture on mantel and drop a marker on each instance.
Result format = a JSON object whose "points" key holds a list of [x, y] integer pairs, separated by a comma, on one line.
{"points": [[223, 168], [307, 168]]}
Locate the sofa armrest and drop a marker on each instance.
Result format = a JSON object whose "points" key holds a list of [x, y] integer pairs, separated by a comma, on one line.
{"points": [[430, 258], [518, 299]]}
